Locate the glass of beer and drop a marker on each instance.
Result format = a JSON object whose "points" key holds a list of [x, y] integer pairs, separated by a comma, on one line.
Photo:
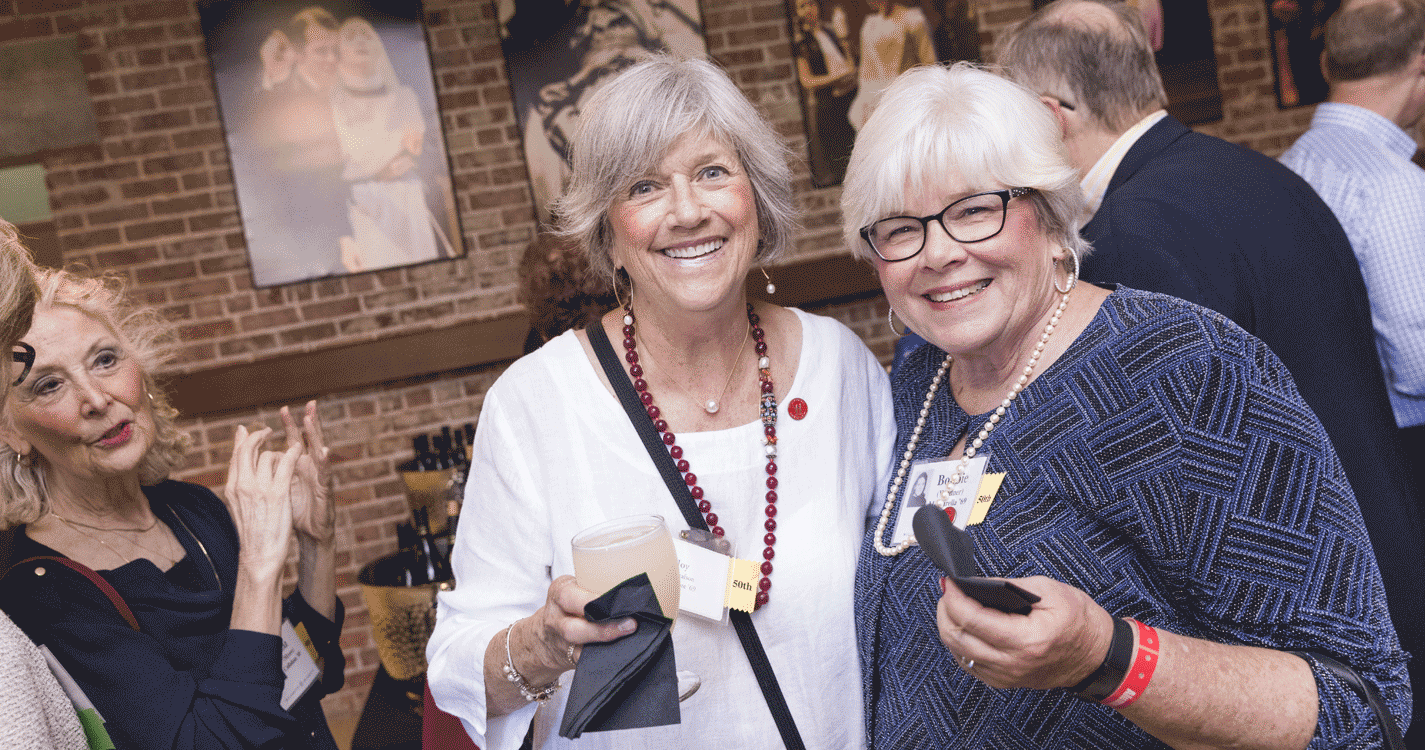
{"points": [[612, 552]]}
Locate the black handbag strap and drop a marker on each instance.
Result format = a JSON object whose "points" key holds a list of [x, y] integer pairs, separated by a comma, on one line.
{"points": [[741, 621], [1389, 731]]}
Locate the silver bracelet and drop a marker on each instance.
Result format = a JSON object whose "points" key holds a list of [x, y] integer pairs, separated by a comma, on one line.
{"points": [[513, 675]]}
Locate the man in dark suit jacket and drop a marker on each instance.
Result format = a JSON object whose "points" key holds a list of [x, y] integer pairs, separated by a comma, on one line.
{"points": [[1194, 216]]}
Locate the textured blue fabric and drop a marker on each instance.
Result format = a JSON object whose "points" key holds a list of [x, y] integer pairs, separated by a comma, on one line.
{"points": [[1359, 162], [186, 681], [1167, 466], [1234, 230]]}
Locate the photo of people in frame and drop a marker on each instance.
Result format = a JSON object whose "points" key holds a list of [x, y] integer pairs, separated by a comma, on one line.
{"points": [[848, 51], [559, 52], [1181, 33], [339, 163], [1297, 29]]}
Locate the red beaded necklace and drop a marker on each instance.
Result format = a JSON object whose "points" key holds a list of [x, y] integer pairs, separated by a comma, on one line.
{"points": [[769, 443]]}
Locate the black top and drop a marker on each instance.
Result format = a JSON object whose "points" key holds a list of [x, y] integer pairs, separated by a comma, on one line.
{"points": [[186, 680]]}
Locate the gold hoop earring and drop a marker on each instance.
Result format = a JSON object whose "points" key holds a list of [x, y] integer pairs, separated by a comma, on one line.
{"points": [[1073, 275], [891, 321], [620, 274], [771, 288]]}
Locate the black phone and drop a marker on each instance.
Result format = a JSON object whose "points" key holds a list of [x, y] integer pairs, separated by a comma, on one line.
{"points": [[953, 551]]}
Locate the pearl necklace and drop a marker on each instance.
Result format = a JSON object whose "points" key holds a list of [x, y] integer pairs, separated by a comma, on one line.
{"points": [[769, 442], [972, 446], [712, 405]]}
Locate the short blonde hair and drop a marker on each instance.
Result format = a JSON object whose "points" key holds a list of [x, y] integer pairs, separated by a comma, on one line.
{"points": [[149, 339]]}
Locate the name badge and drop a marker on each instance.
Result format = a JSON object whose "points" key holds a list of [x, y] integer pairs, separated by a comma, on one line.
{"points": [[297, 664], [712, 582], [931, 480]]}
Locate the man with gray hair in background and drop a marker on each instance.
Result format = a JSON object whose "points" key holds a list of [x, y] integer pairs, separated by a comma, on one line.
{"points": [[1357, 155], [1231, 229]]}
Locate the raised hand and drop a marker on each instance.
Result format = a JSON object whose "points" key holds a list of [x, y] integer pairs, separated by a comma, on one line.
{"points": [[258, 499], [313, 509]]}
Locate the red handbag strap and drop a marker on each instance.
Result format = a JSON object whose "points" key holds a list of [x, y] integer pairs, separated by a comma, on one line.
{"points": [[95, 578]]}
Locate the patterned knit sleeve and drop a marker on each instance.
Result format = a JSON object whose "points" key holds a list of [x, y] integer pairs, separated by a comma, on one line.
{"points": [[1276, 552]]}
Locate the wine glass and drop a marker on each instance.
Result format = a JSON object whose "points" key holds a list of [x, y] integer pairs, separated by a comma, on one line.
{"points": [[610, 553]]}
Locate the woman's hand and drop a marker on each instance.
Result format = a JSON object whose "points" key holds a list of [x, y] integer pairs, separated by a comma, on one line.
{"points": [[1062, 640], [258, 499], [313, 509], [560, 623], [541, 644]]}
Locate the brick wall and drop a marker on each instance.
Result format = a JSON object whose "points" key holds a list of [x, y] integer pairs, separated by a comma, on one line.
{"points": [[154, 202]]}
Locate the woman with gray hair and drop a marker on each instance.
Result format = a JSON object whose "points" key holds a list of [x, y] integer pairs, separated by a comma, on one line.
{"points": [[162, 601], [680, 188], [1191, 557]]}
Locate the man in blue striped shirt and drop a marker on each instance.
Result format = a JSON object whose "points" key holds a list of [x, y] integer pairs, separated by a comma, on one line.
{"points": [[1357, 155]]}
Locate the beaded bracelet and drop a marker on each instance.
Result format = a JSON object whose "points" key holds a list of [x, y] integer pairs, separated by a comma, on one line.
{"points": [[1102, 682], [513, 675], [1145, 660]]}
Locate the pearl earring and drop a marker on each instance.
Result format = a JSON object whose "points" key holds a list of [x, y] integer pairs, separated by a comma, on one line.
{"points": [[771, 288]]}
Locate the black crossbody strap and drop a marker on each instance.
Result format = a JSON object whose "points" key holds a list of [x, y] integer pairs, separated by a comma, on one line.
{"points": [[741, 621], [644, 426]]}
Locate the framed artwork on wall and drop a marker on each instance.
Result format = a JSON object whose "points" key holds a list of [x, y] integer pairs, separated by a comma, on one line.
{"points": [[1181, 32], [559, 53], [848, 51], [1297, 29], [338, 159]]}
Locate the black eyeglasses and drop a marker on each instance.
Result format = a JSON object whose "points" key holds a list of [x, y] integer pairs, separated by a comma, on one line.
{"points": [[25, 355], [974, 218]]}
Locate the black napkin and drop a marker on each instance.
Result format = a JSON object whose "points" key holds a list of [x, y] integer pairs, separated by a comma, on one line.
{"points": [[631, 682]]}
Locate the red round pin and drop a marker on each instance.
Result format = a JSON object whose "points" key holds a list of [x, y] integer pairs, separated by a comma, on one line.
{"points": [[951, 513], [797, 408]]}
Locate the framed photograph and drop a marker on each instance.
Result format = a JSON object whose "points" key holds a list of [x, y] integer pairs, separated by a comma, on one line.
{"points": [[329, 108], [559, 53], [1297, 29], [1181, 31], [848, 51]]}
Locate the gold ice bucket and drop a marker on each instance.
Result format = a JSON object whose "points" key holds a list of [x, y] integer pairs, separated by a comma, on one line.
{"points": [[402, 617]]}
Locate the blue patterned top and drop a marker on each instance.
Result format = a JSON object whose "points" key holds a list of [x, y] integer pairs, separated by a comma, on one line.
{"points": [[1359, 162], [1166, 465]]}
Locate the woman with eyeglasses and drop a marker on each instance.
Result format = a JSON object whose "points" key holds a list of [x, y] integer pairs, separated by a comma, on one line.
{"points": [[1138, 465], [162, 601]]}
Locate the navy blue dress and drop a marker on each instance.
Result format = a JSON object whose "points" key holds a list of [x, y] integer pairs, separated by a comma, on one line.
{"points": [[185, 680], [1167, 466]]}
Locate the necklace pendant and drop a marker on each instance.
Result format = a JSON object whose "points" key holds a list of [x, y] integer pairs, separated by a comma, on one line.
{"points": [[711, 406]]}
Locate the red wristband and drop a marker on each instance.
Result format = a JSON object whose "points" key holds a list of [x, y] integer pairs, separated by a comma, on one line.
{"points": [[1145, 660]]}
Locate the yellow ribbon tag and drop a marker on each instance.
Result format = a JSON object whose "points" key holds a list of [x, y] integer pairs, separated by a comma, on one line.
{"points": [[989, 487], [742, 585]]}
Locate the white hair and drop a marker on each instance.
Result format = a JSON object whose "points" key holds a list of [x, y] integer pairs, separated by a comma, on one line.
{"points": [[966, 121]]}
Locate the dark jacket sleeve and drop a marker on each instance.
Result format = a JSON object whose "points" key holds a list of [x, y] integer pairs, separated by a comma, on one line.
{"points": [[325, 636]]}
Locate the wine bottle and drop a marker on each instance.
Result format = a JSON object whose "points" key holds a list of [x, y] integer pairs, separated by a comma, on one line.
{"points": [[446, 452], [425, 459], [413, 570], [436, 565], [452, 516]]}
